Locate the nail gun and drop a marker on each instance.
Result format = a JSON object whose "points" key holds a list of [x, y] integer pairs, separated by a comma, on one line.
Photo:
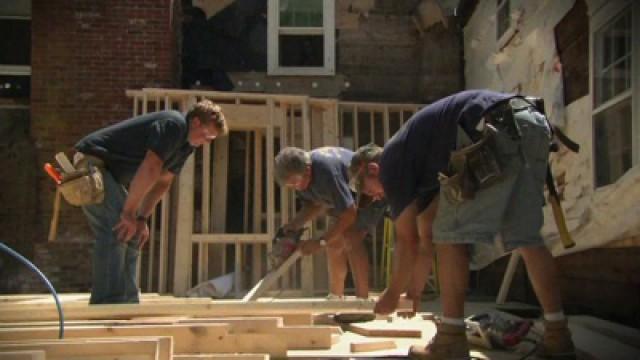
{"points": [[284, 244]]}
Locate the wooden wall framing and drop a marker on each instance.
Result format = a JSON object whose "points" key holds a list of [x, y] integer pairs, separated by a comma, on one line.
{"points": [[190, 243]]}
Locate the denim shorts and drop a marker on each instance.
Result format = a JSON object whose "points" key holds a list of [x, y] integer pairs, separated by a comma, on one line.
{"points": [[511, 207]]}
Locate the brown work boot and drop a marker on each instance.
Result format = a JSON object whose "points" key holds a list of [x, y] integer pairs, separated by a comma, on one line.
{"points": [[450, 342], [556, 342]]}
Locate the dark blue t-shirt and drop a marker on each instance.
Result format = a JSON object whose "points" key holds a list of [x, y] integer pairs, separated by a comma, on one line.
{"points": [[413, 157], [330, 179], [123, 146]]}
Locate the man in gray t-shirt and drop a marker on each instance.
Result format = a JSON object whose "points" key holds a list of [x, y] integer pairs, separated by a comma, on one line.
{"points": [[320, 178]]}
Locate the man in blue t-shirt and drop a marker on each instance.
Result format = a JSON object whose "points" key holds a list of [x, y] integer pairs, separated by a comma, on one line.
{"points": [[440, 191], [321, 180], [139, 158]]}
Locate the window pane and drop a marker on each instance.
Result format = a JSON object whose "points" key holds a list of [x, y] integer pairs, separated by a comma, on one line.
{"points": [[503, 17], [15, 42], [301, 13], [301, 50], [15, 86], [613, 58], [613, 142], [621, 76]]}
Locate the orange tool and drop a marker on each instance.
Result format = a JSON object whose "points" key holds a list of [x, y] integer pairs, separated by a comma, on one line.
{"points": [[53, 173]]}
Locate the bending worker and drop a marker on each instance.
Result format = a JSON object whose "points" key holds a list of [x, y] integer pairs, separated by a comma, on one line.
{"points": [[138, 158], [320, 178], [466, 195]]}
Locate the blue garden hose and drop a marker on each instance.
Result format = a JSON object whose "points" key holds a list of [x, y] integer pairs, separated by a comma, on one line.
{"points": [[44, 279]]}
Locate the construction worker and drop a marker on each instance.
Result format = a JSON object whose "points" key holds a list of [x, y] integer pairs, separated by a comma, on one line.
{"points": [[466, 195], [322, 184], [139, 158]]}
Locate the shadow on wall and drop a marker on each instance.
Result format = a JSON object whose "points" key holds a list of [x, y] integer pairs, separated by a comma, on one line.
{"points": [[233, 40]]}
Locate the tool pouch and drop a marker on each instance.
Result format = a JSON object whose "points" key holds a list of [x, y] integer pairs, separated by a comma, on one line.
{"points": [[85, 186], [472, 168]]}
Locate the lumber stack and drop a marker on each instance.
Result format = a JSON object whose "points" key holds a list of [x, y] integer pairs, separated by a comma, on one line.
{"points": [[165, 327]]}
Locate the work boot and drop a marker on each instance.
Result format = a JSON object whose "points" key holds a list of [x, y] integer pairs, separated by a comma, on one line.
{"points": [[450, 342], [556, 342]]}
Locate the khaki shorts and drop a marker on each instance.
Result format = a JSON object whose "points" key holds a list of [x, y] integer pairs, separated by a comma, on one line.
{"points": [[513, 206]]}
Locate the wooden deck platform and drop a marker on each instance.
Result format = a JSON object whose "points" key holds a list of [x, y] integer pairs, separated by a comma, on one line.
{"points": [[165, 328]]}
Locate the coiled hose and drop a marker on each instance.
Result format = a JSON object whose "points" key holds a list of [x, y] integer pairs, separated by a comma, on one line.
{"points": [[30, 265]]}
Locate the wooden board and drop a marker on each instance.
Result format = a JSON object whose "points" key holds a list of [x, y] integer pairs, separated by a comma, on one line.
{"points": [[158, 348], [23, 355], [363, 346], [186, 338], [209, 338], [81, 311], [381, 328], [222, 357]]}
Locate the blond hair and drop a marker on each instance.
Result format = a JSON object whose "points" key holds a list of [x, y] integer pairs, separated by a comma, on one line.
{"points": [[208, 112]]}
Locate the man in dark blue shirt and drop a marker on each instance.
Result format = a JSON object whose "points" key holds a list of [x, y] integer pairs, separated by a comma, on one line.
{"points": [[435, 199], [139, 158], [321, 179]]}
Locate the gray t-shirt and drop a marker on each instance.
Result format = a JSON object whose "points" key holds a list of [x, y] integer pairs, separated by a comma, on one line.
{"points": [[123, 146], [329, 179]]}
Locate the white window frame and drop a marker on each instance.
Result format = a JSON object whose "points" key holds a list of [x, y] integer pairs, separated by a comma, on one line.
{"points": [[327, 30], [502, 39], [601, 17]]}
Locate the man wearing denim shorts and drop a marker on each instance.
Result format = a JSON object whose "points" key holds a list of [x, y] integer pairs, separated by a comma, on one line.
{"points": [[414, 173], [320, 178]]}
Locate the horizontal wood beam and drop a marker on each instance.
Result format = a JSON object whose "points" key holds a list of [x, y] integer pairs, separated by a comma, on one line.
{"points": [[81, 311], [236, 324], [151, 348], [205, 338], [23, 355], [231, 238], [222, 357]]}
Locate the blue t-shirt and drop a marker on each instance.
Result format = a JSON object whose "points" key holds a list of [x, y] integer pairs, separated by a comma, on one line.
{"points": [[413, 157], [123, 146], [330, 179]]}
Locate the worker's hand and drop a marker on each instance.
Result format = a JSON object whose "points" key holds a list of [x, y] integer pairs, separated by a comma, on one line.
{"points": [[387, 303], [143, 233], [126, 228], [310, 247]]}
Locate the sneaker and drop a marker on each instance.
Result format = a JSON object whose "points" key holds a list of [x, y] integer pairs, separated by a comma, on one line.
{"points": [[450, 342], [556, 341]]}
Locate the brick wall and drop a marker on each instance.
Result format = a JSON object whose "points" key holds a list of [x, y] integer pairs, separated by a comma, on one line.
{"points": [[85, 54]]}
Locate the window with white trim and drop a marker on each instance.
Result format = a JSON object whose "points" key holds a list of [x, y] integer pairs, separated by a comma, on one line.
{"points": [[615, 90], [15, 49], [301, 37]]}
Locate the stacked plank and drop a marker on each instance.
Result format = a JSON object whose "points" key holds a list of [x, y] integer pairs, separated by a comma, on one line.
{"points": [[164, 327]]}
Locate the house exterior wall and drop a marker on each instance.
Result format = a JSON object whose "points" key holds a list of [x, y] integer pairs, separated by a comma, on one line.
{"points": [[599, 219], [85, 54]]}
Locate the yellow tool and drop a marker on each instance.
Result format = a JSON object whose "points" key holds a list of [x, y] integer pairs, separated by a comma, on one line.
{"points": [[558, 215]]}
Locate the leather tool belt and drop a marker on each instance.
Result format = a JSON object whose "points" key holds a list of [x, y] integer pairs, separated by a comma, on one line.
{"points": [[472, 168], [84, 186]]}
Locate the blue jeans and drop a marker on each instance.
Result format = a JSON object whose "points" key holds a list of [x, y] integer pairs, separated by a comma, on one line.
{"points": [[114, 262]]}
